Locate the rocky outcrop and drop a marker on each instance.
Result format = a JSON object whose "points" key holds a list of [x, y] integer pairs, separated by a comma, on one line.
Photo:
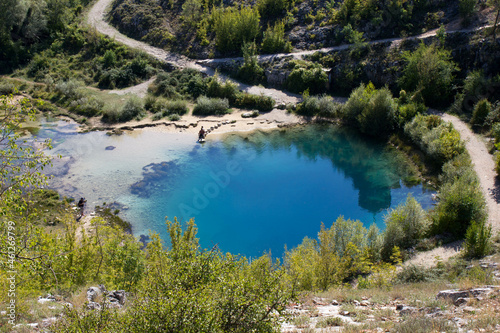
{"points": [[110, 299]]}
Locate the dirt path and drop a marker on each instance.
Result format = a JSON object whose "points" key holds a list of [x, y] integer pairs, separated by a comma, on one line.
{"points": [[484, 166], [95, 18]]}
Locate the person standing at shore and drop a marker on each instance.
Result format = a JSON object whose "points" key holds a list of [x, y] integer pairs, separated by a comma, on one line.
{"points": [[81, 205]]}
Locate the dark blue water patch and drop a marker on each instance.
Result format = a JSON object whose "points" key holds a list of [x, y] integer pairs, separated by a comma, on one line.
{"points": [[256, 193], [156, 176]]}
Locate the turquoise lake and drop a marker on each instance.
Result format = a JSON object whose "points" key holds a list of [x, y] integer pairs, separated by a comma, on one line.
{"points": [[248, 193]]}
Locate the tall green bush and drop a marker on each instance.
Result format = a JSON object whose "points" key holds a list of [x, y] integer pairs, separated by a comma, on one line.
{"points": [[429, 69], [437, 139], [477, 240], [405, 225], [233, 27], [480, 113], [272, 8], [378, 117], [302, 79], [460, 203], [274, 39], [211, 106]]}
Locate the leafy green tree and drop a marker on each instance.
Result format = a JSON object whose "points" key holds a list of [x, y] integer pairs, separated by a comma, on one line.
{"points": [[272, 8], [274, 39], [21, 162], [187, 289], [480, 113], [251, 71], [378, 117], [477, 240], [234, 27], [460, 203], [431, 70], [405, 225]]}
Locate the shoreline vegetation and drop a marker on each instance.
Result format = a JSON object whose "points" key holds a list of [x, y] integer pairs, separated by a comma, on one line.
{"points": [[180, 286]]}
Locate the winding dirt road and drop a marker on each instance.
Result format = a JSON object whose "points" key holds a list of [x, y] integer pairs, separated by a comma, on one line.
{"points": [[482, 160]]}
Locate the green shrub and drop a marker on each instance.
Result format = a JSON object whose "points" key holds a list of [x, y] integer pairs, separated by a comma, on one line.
{"points": [[477, 240], [211, 106], [416, 274], [87, 106], [7, 88], [405, 225], [357, 102], [378, 117], [251, 71], [437, 139], [133, 108], [480, 113], [323, 106], [69, 90], [249, 101], [234, 27], [272, 8], [301, 79], [274, 39], [174, 117], [460, 203], [431, 70], [178, 107], [226, 89]]}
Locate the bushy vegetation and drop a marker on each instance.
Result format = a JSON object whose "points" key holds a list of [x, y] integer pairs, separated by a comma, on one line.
{"points": [[274, 39], [306, 76], [461, 201], [211, 106], [233, 27], [322, 106], [438, 139], [405, 226], [133, 109], [190, 84], [429, 69], [198, 290], [250, 71], [372, 110]]}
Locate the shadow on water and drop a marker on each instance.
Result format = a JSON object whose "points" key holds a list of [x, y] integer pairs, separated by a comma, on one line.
{"points": [[373, 170]]}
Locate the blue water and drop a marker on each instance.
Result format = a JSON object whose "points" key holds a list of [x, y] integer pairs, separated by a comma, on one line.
{"points": [[259, 192]]}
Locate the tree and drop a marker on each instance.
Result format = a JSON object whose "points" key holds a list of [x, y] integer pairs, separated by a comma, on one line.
{"points": [[21, 162], [466, 8], [431, 70]]}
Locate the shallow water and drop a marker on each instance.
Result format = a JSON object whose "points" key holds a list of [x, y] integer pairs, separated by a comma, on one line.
{"points": [[248, 193]]}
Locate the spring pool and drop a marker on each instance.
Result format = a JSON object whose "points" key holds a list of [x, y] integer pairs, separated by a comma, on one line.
{"points": [[248, 193]]}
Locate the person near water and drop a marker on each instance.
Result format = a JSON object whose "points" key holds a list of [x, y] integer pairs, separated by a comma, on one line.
{"points": [[201, 134], [81, 205]]}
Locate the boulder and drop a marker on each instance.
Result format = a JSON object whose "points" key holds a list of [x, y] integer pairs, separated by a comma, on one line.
{"points": [[92, 293], [461, 301], [406, 310], [455, 294], [93, 306]]}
